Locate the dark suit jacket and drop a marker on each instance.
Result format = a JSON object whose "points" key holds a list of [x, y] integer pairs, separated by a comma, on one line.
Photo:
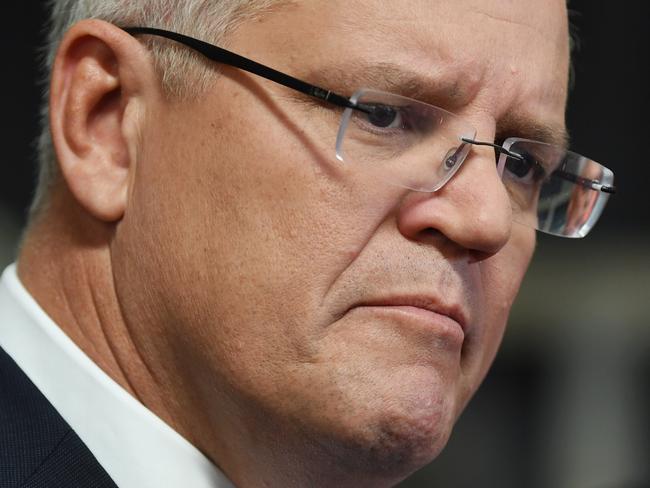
{"points": [[38, 449]]}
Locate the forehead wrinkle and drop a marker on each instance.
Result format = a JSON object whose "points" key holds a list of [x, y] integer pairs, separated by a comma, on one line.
{"points": [[507, 21], [532, 22]]}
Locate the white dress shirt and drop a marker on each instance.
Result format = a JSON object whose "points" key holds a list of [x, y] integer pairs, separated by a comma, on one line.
{"points": [[135, 447]]}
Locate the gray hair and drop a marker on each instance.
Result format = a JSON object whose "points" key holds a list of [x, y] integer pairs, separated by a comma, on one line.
{"points": [[183, 74]]}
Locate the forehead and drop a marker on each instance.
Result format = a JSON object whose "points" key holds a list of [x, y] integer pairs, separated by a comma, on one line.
{"points": [[506, 58]]}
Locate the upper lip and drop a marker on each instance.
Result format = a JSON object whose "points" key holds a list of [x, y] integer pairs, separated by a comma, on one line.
{"points": [[428, 302]]}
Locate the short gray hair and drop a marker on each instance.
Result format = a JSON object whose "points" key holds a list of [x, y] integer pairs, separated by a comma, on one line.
{"points": [[182, 72]]}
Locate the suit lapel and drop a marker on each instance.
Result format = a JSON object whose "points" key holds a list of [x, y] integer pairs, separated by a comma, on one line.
{"points": [[38, 449]]}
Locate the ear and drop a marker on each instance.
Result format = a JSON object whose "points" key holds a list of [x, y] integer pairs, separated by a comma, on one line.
{"points": [[101, 81]]}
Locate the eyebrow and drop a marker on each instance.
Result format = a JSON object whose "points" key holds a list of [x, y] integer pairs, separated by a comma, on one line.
{"points": [[435, 87], [526, 127]]}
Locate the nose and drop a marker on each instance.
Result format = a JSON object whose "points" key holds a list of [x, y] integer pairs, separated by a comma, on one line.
{"points": [[472, 210]]}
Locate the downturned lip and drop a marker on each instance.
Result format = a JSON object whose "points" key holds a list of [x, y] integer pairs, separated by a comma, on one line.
{"points": [[453, 311]]}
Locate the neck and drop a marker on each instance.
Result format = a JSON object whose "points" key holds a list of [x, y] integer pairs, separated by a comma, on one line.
{"points": [[65, 264]]}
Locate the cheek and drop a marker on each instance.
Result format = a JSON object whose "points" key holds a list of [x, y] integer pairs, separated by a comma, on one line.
{"points": [[284, 209], [258, 225]]}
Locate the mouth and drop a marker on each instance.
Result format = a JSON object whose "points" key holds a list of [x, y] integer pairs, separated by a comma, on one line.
{"points": [[426, 309]]}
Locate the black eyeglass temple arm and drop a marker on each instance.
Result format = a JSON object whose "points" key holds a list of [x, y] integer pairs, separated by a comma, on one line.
{"points": [[224, 56]]}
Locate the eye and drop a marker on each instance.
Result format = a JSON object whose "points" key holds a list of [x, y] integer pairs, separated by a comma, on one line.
{"points": [[386, 117], [527, 169]]}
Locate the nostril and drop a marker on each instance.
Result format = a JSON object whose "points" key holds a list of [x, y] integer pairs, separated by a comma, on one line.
{"points": [[431, 236], [431, 233]]}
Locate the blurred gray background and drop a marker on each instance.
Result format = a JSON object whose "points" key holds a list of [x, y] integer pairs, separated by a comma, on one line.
{"points": [[567, 402]]}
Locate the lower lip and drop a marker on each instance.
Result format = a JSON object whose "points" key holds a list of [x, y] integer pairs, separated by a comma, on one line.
{"points": [[442, 325]]}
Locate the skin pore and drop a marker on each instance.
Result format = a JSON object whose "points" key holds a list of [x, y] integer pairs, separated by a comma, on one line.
{"points": [[271, 304]]}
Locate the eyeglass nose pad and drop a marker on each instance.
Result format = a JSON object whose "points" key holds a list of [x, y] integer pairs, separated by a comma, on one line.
{"points": [[451, 159], [449, 165]]}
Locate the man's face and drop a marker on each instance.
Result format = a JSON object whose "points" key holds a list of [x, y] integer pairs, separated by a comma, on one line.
{"points": [[302, 295]]}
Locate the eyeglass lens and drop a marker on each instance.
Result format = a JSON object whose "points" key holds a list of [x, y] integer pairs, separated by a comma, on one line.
{"points": [[402, 140], [419, 146], [554, 190]]}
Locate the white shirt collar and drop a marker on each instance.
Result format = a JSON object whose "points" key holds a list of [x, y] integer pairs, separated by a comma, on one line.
{"points": [[135, 447]]}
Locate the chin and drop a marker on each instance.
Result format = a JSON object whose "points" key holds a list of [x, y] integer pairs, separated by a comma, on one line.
{"points": [[406, 439], [403, 428]]}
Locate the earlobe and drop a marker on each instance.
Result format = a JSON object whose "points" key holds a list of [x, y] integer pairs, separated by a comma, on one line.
{"points": [[94, 84]]}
